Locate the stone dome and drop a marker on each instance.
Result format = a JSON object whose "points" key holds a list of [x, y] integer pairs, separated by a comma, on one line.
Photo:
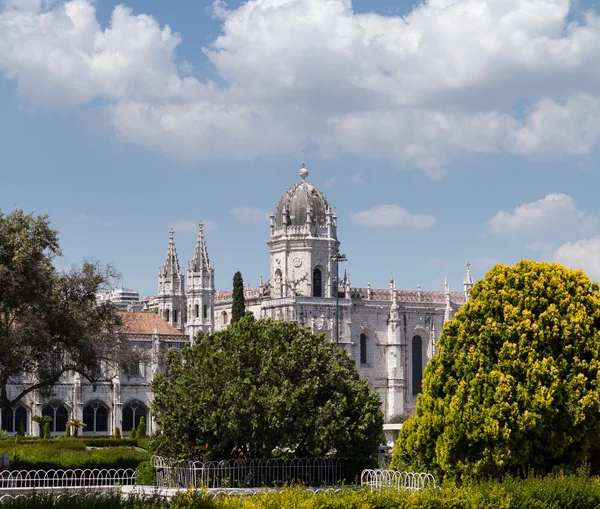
{"points": [[298, 199]]}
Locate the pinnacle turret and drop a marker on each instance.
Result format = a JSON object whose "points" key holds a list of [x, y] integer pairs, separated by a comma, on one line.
{"points": [[468, 282], [171, 266], [200, 261]]}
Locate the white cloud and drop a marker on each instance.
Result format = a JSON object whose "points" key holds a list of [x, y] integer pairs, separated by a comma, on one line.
{"points": [[191, 226], [423, 90], [552, 215], [358, 179], [330, 182], [392, 216], [81, 217], [250, 214], [583, 254]]}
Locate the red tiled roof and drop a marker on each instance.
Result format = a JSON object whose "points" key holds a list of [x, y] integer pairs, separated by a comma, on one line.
{"points": [[145, 323]]}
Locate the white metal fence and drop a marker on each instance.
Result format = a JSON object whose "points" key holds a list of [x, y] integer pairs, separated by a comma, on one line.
{"points": [[379, 480], [76, 478], [248, 473]]}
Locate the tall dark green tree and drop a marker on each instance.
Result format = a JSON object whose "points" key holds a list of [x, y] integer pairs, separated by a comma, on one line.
{"points": [[265, 385], [515, 383], [238, 308], [49, 320]]}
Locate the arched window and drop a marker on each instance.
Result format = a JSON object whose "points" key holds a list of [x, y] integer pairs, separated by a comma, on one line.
{"points": [[174, 316], [417, 364], [224, 318], [167, 314], [13, 419], [197, 311], [317, 283], [132, 413], [59, 415], [363, 348], [95, 418], [204, 312]]}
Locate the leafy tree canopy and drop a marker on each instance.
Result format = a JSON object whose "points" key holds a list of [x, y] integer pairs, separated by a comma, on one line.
{"points": [[261, 386], [238, 307], [49, 320], [515, 384]]}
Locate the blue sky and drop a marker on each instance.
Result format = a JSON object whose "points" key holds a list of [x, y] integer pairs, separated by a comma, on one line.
{"points": [[444, 131]]}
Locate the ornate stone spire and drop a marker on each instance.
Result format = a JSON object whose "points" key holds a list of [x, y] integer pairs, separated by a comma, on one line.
{"points": [[200, 261], [171, 266], [468, 282], [448, 313]]}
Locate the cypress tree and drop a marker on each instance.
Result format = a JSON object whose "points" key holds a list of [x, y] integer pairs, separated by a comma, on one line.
{"points": [[238, 309]]}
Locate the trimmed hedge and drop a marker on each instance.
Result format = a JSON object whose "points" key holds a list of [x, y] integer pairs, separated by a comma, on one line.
{"points": [[70, 453], [570, 492], [110, 442]]}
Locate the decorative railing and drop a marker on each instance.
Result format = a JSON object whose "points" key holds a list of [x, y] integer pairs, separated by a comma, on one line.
{"points": [[77, 478], [378, 480], [248, 473]]}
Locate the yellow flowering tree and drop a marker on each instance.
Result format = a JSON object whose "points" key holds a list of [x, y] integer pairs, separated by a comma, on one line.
{"points": [[515, 385]]}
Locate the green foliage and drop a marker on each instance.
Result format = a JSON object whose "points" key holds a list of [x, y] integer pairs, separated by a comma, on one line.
{"points": [[515, 383], [263, 385], [70, 453], [238, 307], [48, 316], [141, 429], [132, 433], [21, 429], [536, 493], [117, 432], [109, 442], [41, 420], [145, 473], [47, 431]]}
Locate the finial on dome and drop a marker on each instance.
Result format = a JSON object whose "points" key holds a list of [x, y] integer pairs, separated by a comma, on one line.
{"points": [[171, 232], [303, 172]]}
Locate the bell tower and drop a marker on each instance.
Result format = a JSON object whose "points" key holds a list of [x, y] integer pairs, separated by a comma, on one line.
{"points": [[171, 294], [200, 289], [302, 241]]}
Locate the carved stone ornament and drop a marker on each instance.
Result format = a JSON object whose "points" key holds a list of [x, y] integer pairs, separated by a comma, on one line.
{"points": [[278, 260], [297, 262], [321, 322]]}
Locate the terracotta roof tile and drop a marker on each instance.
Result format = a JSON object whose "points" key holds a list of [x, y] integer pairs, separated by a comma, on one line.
{"points": [[145, 323]]}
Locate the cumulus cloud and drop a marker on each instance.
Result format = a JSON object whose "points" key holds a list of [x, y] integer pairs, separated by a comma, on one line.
{"points": [[553, 215], [583, 254], [392, 216], [250, 214], [448, 79]]}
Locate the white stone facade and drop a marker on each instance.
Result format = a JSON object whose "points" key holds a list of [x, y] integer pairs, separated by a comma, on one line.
{"points": [[115, 400], [390, 333]]}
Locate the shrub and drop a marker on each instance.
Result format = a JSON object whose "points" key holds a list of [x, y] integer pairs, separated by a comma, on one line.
{"points": [[47, 431], [67, 431], [117, 432], [145, 473], [132, 434], [109, 442], [141, 429]]}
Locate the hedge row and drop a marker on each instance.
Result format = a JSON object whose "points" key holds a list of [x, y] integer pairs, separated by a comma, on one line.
{"points": [[550, 493], [71, 453]]}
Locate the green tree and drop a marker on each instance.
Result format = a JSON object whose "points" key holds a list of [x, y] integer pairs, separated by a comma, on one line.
{"points": [[238, 308], [260, 386], [515, 383], [41, 420], [50, 322], [46, 431], [76, 425]]}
